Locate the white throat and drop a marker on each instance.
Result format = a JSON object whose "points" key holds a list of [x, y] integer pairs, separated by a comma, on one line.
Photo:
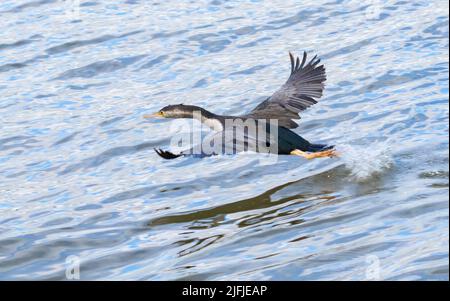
{"points": [[214, 124]]}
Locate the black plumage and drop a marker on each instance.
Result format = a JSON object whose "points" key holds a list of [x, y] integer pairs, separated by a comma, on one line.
{"points": [[302, 89]]}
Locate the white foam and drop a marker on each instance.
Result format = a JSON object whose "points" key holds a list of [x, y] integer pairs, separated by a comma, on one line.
{"points": [[365, 162]]}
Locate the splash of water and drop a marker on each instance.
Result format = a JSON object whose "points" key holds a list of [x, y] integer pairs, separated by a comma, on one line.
{"points": [[365, 162]]}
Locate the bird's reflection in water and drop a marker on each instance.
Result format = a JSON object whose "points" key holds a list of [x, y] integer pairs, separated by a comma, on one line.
{"points": [[278, 207], [323, 187]]}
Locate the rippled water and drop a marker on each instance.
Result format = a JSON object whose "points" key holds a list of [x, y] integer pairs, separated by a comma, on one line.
{"points": [[78, 174]]}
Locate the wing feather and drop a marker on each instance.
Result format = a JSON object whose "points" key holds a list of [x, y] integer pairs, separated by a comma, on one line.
{"points": [[302, 89]]}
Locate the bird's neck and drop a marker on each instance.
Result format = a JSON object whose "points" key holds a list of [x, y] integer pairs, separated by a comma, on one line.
{"points": [[207, 118]]}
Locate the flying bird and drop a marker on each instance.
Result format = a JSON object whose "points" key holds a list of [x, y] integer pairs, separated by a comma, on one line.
{"points": [[276, 114]]}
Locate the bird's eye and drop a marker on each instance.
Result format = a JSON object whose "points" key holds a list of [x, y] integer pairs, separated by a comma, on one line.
{"points": [[161, 113]]}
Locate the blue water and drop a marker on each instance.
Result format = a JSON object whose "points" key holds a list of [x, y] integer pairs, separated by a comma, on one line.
{"points": [[78, 174]]}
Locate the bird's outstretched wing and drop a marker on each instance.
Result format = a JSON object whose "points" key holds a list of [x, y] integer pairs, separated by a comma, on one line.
{"points": [[304, 85], [166, 154]]}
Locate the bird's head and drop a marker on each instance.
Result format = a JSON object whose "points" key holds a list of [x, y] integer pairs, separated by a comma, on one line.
{"points": [[176, 111]]}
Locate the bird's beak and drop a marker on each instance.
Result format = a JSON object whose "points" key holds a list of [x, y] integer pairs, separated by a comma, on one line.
{"points": [[154, 115]]}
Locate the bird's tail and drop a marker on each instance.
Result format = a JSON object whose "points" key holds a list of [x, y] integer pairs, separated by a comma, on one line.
{"points": [[319, 147]]}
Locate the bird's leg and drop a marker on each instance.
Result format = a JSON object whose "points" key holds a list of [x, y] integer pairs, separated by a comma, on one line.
{"points": [[328, 153]]}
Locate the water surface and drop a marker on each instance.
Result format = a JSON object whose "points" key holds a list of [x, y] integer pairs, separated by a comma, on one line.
{"points": [[78, 174]]}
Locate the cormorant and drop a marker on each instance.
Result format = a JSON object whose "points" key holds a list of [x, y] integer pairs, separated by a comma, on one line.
{"points": [[304, 85]]}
